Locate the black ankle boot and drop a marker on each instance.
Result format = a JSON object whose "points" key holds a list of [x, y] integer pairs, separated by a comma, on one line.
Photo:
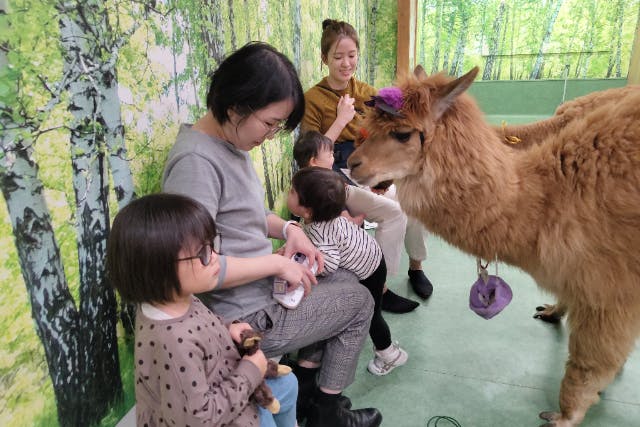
{"points": [[306, 390], [336, 415]]}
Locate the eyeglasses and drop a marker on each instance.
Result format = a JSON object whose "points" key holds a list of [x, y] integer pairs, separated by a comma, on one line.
{"points": [[204, 254], [272, 129]]}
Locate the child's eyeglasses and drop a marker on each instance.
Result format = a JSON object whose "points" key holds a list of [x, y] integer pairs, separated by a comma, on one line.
{"points": [[204, 254]]}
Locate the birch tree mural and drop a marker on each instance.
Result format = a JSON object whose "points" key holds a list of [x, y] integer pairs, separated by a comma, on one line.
{"points": [[528, 39], [79, 340], [493, 42], [554, 9]]}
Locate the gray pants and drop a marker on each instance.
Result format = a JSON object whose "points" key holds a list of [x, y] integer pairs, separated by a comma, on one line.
{"points": [[329, 326]]}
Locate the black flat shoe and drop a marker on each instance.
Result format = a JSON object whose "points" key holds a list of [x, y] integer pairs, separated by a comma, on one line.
{"points": [[420, 284], [394, 303], [339, 416]]}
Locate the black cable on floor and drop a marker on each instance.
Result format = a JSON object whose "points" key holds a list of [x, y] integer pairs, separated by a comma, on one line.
{"points": [[436, 419]]}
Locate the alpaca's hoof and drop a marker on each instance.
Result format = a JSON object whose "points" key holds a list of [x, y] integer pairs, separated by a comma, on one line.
{"points": [[274, 406], [548, 313], [549, 415], [555, 419]]}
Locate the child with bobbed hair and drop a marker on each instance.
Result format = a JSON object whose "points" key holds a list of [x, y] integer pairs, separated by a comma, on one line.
{"points": [[318, 196], [162, 249]]}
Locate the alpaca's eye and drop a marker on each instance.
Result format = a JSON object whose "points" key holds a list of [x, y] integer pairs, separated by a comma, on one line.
{"points": [[401, 136]]}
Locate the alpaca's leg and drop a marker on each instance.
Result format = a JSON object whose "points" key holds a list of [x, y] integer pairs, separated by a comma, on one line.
{"points": [[598, 347], [550, 313]]}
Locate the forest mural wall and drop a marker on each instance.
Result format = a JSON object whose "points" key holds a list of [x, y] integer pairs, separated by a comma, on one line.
{"points": [[527, 39], [91, 96]]}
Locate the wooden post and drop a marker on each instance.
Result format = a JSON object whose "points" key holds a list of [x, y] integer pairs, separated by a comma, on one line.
{"points": [[633, 78], [406, 53]]}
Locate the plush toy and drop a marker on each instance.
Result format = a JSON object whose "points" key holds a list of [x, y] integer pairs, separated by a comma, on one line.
{"points": [[250, 343]]}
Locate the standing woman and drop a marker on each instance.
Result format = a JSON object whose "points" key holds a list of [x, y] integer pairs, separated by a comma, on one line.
{"points": [[335, 107], [254, 94]]}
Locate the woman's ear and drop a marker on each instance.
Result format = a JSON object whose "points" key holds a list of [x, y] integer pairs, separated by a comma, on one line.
{"points": [[313, 161], [233, 115]]}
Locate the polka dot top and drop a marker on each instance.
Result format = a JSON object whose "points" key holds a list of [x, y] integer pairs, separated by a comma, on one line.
{"points": [[188, 372]]}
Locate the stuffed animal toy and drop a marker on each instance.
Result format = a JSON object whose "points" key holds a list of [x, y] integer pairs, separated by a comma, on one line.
{"points": [[250, 343]]}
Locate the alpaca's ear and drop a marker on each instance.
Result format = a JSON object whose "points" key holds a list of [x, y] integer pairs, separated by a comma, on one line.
{"points": [[447, 94], [419, 72]]}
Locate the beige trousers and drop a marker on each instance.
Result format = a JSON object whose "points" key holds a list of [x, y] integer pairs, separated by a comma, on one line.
{"points": [[394, 227]]}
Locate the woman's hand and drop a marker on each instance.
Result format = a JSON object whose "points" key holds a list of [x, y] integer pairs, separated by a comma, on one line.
{"points": [[297, 241], [236, 328], [345, 110], [296, 274]]}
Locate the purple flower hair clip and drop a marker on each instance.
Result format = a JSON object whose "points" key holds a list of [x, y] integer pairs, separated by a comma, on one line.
{"points": [[389, 100]]}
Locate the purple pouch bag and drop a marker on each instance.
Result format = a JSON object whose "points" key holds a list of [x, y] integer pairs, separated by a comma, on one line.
{"points": [[488, 298]]}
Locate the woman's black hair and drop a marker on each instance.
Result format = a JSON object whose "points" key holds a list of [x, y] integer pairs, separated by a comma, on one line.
{"points": [[321, 190], [145, 240], [251, 78]]}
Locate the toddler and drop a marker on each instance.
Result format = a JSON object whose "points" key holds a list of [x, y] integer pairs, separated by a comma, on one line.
{"points": [[318, 196]]}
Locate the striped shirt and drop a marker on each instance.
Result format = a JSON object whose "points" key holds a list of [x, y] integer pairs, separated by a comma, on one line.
{"points": [[345, 245]]}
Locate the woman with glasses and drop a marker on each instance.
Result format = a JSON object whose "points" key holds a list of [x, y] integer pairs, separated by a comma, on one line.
{"points": [[254, 93], [335, 107], [162, 249]]}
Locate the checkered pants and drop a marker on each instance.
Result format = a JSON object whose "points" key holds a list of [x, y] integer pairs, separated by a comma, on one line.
{"points": [[329, 326]]}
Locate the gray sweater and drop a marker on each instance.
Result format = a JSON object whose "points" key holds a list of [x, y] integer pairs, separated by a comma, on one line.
{"points": [[221, 177]]}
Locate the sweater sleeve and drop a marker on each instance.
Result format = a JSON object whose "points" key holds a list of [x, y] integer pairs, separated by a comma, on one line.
{"points": [[192, 175], [312, 119], [188, 399]]}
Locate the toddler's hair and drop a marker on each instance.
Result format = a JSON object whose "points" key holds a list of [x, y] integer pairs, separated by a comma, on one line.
{"points": [[308, 145], [145, 240], [322, 190]]}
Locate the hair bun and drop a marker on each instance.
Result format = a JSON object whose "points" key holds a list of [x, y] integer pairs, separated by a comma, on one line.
{"points": [[327, 22]]}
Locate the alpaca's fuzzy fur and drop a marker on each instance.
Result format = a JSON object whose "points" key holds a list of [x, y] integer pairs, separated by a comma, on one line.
{"points": [[563, 204]]}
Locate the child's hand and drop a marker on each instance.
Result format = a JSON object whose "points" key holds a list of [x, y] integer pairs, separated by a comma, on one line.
{"points": [[357, 220], [236, 328], [258, 359]]}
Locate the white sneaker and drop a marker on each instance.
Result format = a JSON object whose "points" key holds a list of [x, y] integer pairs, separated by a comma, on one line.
{"points": [[387, 360]]}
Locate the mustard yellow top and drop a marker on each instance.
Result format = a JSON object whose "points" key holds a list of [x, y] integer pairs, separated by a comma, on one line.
{"points": [[321, 102]]}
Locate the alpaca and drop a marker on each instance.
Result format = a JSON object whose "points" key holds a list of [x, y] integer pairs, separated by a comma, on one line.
{"points": [[561, 201]]}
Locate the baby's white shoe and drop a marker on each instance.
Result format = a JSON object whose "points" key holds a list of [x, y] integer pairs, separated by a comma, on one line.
{"points": [[387, 360]]}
